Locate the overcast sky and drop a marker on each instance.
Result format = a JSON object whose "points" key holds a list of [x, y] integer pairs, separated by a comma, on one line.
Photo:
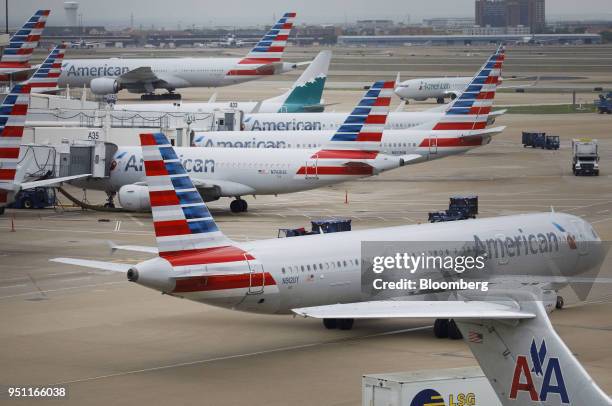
{"points": [[170, 13]]}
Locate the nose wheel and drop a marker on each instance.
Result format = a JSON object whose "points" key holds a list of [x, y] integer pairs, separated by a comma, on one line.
{"points": [[239, 206]]}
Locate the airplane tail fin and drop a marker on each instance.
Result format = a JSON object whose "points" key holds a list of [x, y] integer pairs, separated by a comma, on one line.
{"points": [[528, 363], [363, 128], [24, 41], [307, 91], [470, 110], [354, 148], [181, 219], [12, 120], [47, 75], [271, 47]]}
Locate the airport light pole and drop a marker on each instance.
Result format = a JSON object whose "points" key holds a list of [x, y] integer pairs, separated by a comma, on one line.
{"points": [[6, 14]]}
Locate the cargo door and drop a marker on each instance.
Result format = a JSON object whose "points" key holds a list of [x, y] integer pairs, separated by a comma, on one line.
{"points": [[257, 277], [312, 168], [433, 145]]}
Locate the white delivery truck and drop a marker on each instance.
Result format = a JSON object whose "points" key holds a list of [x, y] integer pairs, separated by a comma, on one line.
{"points": [[455, 386], [585, 157]]}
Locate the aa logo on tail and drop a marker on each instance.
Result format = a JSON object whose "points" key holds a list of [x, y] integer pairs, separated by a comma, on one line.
{"points": [[546, 370]]}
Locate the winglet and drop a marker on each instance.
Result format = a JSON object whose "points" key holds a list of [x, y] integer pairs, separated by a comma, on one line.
{"points": [[22, 44]]}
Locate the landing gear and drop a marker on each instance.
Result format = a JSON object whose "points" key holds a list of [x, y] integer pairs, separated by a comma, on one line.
{"points": [[162, 96], [445, 328], [330, 324], [440, 100], [453, 96], [560, 303], [110, 200], [342, 324], [441, 328], [239, 205]]}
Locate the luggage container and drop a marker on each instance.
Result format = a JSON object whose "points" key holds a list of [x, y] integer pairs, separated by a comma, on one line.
{"points": [[459, 208], [455, 386], [318, 227]]}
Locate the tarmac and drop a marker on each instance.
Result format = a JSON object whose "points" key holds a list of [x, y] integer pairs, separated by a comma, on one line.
{"points": [[111, 342]]}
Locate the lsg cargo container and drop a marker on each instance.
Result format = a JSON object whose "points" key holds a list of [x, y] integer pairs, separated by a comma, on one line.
{"points": [[454, 387]]}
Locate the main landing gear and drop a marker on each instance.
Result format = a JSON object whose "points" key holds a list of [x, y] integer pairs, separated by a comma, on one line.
{"points": [[445, 328], [440, 100], [162, 96], [110, 199], [560, 303], [342, 324], [239, 206]]}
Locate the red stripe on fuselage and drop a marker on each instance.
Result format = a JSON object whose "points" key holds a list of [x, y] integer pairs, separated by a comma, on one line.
{"points": [[460, 126], [376, 137], [345, 154], [202, 256], [468, 141], [223, 282], [348, 170]]}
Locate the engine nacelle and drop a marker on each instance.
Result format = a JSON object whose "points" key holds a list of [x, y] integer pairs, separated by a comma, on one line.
{"points": [[134, 197], [104, 86]]}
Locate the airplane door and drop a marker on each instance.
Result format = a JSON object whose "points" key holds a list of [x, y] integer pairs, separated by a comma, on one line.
{"points": [[312, 169], [257, 278], [433, 145]]}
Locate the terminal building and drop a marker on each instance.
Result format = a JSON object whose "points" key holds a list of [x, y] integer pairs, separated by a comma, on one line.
{"points": [[466, 39]]}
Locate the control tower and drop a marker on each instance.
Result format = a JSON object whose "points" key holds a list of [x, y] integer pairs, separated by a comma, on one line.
{"points": [[71, 8]]}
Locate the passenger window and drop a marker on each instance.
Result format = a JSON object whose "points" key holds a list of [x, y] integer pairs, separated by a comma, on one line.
{"points": [[302, 268]]}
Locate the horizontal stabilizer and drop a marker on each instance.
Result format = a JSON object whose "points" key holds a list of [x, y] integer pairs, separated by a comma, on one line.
{"points": [[87, 263], [417, 309], [133, 248], [51, 182]]}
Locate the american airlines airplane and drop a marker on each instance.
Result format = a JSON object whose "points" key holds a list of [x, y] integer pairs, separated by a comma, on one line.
{"points": [[431, 88], [460, 128], [304, 96], [15, 60], [108, 76], [228, 172], [321, 275]]}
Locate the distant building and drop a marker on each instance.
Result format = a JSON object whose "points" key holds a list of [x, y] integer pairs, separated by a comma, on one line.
{"points": [[449, 24], [511, 13], [403, 40]]}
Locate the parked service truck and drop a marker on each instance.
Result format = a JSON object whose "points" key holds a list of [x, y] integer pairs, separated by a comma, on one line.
{"points": [[455, 386], [585, 158]]}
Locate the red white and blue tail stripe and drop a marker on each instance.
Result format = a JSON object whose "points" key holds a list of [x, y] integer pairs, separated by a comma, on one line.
{"points": [[12, 120], [22, 44], [47, 75], [358, 140], [470, 111], [268, 50]]}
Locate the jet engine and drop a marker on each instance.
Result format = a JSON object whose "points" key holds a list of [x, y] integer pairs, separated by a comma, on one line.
{"points": [[104, 86], [134, 197]]}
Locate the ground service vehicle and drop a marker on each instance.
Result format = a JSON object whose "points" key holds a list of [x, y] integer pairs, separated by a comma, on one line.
{"points": [[585, 157]]}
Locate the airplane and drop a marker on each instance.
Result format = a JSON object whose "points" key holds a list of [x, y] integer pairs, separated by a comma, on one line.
{"points": [[260, 121], [460, 128], [228, 172], [12, 161], [321, 275], [304, 96], [82, 44], [15, 60], [109, 76]]}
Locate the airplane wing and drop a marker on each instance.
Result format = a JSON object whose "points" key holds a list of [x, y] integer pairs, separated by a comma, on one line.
{"points": [[102, 265], [51, 182], [417, 309], [142, 74]]}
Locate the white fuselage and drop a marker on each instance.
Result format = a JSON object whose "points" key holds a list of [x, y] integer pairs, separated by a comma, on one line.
{"points": [[239, 172], [436, 88], [425, 143], [175, 72], [326, 269]]}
